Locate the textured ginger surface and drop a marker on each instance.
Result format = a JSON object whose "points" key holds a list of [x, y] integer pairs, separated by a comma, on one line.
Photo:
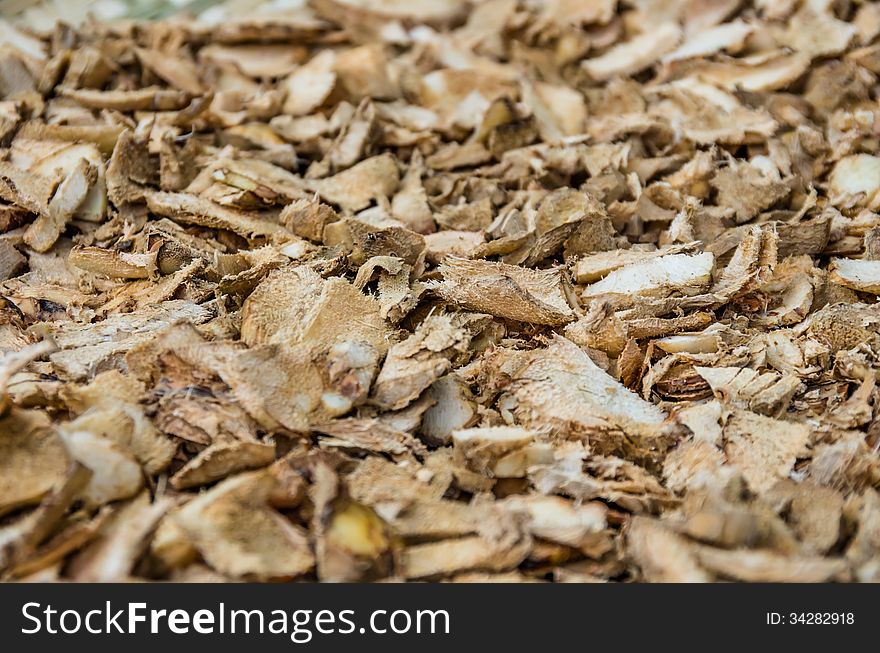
{"points": [[514, 290]]}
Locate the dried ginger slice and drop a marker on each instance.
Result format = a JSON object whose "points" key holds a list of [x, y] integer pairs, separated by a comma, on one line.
{"points": [[562, 388], [239, 535], [508, 291]]}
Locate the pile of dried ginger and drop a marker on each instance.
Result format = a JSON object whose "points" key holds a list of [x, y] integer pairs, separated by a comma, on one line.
{"points": [[518, 290]]}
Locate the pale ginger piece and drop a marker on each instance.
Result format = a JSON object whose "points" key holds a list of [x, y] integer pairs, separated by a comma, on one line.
{"points": [[129, 170], [760, 73], [112, 557], [309, 85], [65, 161], [815, 513], [857, 274], [573, 219], [703, 420], [453, 408], [143, 99], [170, 547], [397, 296], [28, 190], [256, 60], [561, 387], [858, 409], [352, 541], [656, 327], [390, 487], [508, 291], [115, 472], [17, 359], [503, 128], [189, 209], [559, 110], [103, 136], [867, 23], [410, 203], [726, 36], [12, 261], [307, 218], [577, 474], [657, 277], [358, 137], [21, 540], [794, 283], [563, 521], [176, 69], [842, 465], [693, 463], [865, 509], [762, 566], [453, 155], [275, 311], [280, 388], [787, 354], [33, 458], [18, 77], [594, 12], [662, 555], [104, 391], [460, 244], [766, 394], [268, 183], [239, 535], [295, 305], [117, 265], [71, 193], [204, 420], [45, 563], [22, 40], [463, 554], [715, 514], [143, 292], [414, 364], [221, 459], [88, 68], [123, 422], [593, 267], [817, 33], [499, 451], [765, 449], [706, 342], [461, 97], [857, 175], [636, 54], [430, 12], [362, 241], [290, 388], [86, 349], [746, 189], [368, 435], [354, 188], [753, 258], [843, 326], [707, 114], [439, 519]]}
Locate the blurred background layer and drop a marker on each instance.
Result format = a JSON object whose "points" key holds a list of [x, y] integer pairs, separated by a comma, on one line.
{"points": [[42, 14]]}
